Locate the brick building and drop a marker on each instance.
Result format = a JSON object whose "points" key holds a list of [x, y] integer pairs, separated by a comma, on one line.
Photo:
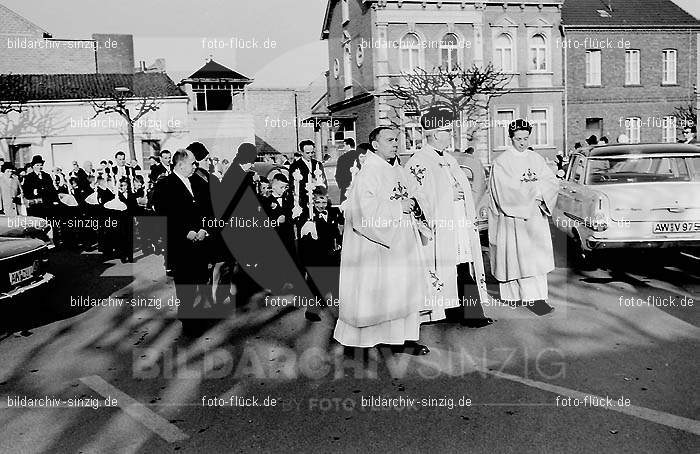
{"points": [[372, 42], [629, 64], [278, 113], [26, 48]]}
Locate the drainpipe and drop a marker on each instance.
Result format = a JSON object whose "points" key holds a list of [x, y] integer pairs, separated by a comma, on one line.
{"points": [[296, 118], [562, 29]]}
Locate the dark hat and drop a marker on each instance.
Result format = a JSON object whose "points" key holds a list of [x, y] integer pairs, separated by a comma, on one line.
{"points": [[246, 153], [37, 160], [437, 118], [592, 140], [198, 150], [5, 166]]}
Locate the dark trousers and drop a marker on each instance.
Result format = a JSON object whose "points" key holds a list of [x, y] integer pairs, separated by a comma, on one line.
{"points": [[468, 293], [191, 276]]}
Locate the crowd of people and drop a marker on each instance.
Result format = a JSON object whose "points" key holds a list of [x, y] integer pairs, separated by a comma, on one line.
{"points": [[94, 205], [400, 250], [397, 252]]}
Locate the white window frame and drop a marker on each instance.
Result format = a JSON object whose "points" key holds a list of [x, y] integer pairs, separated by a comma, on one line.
{"points": [[347, 65], [547, 124], [541, 54], [204, 87], [453, 51], [593, 67], [409, 128], [413, 52], [499, 54], [669, 65], [633, 127], [504, 131], [632, 67], [668, 129]]}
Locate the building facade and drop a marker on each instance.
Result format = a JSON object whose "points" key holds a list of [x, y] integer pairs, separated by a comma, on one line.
{"points": [[371, 43], [278, 113], [58, 121], [628, 69]]}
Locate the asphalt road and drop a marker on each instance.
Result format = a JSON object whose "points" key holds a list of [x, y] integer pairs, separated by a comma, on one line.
{"points": [[498, 389]]}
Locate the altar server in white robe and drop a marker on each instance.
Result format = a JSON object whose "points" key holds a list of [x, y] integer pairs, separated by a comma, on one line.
{"points": [[523, 191], [444, 194], [383, 275]]}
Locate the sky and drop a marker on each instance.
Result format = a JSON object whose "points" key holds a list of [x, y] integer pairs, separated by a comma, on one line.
{"points": [[186, 32], [287, 33]]}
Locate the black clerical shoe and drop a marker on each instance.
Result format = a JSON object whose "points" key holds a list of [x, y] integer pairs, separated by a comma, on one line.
{"points": [[414, 348], [312, 316], [540, 308], [408, 347], [476, 322]]}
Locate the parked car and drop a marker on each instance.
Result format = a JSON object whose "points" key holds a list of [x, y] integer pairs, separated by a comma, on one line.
{"points": [[24, 243], [26, 227], [269, 169], [623, 196]]}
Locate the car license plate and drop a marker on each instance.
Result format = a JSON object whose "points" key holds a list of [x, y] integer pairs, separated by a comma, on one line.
{"points": [[21, 275], [676, 227]]}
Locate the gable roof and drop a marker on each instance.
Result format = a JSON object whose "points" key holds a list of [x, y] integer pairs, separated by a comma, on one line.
{"points": [[625, 13], [35, 87], [214, 70]]}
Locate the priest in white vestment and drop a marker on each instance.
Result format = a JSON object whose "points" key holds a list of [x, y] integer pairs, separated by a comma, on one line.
{"points": [[444, 194], [523, 191], [383, 275]]}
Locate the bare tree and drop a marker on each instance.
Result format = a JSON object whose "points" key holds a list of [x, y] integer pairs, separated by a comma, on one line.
{"points": [[118, 102], [16, 96], [686, 115], [467, 92]]}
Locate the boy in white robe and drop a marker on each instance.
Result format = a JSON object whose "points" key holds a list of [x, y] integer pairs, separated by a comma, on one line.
{"points": [[383, 275], [523, 191]]}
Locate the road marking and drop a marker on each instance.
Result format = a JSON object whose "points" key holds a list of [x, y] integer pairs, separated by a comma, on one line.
{"points": [[138, 411], [690, 255], [658, 417]]}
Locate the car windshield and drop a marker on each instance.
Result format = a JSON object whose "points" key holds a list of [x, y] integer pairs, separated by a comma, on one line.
{"points": [[638, 169]]}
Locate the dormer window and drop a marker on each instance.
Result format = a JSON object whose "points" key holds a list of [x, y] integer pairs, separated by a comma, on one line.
{"points": [[215, 96]]}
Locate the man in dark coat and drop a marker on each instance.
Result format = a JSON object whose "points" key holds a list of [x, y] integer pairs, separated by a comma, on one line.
{"points": [[121, 170], [346, 161], [186, 239], [308, 168], [39, 190]]}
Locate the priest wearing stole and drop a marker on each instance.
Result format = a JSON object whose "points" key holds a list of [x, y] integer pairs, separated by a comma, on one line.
{"points": [[383, 275], [523, 191], [444, 194]]}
